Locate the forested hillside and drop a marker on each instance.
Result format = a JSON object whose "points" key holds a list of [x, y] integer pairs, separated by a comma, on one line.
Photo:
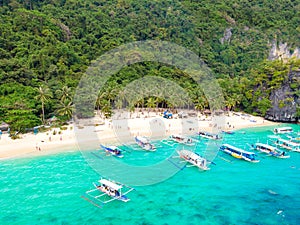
{"points": [[45, 47]]}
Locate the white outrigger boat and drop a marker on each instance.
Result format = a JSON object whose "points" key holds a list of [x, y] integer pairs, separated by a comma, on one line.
{"points": [[294, 138], [113, 150], [282, 130], [239, 153], [194, 159], [288, 144], [208, 135], [145, 144], [111, 191], [270, 150], [181, 139]]}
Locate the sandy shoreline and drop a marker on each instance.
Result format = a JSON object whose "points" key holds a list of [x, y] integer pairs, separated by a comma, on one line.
{"points": [[92, 132]]}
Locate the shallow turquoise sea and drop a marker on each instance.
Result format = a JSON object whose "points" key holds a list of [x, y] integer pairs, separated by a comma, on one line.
{"points": [[48, 189]]}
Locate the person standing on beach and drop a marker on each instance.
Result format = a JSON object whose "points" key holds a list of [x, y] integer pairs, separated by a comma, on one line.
{"points": [[0, 134]]}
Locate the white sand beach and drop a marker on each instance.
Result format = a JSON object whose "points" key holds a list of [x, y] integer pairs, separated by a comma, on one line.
{"points": [[120, 129]]}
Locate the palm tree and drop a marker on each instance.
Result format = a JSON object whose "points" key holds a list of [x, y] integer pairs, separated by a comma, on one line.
{"points": [[65, 109], [151, 103], [64, 93], [44, 94]]}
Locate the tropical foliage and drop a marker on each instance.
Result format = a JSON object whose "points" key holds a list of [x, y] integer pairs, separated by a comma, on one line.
{"points": [[46, 46]]}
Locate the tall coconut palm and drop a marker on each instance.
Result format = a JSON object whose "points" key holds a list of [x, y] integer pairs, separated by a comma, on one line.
{"points": [[44, 95], [65, 109], [64, 94]]}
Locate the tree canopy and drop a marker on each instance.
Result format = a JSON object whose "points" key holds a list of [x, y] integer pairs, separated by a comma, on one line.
{"points": [[50, 43]]}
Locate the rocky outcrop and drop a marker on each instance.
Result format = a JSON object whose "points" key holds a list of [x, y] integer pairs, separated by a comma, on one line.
{"points": [[285, 101], [227, 35], [282, 51]]}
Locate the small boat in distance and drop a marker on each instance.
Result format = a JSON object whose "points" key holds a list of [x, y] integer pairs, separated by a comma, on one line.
{"points": [[228, 131], [208, 135], [113, 150], [288, 144], [144, 143], [239, 153], [194, 159], [109, 188], [181, 139], [282, 130], [270, 150]]}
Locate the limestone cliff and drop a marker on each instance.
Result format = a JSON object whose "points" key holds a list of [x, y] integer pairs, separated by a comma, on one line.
{"points": [[282, 51], [286, 100]]}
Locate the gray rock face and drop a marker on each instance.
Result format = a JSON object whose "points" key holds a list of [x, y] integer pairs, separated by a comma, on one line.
{"points": [[227, 35], [282, 51], [284, 101]]}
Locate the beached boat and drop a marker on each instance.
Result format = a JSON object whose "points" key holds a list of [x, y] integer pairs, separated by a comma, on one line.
{"points": [[144, 143], [113, 150], [228, 131], [239, 153], [194, 159], [181, 139], [111, 189], [288, 144], [208, 135], [270, 150], [282, 130]]}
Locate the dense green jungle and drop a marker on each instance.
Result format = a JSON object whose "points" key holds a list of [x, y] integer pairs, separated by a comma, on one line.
{"points": [[47, 45]]}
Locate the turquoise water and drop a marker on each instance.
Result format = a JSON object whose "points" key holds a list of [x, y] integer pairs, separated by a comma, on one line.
{"points": [[48, 190]]}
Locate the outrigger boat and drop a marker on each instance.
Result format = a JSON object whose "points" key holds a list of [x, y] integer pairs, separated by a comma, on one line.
{"points": [[194, 159], [113, 150], [288, 144], [282, 130], [228, 131], [294, 138], [110, 189], [209, 135], [239, 153], [181, 139], [270, 150], [144, 143]]}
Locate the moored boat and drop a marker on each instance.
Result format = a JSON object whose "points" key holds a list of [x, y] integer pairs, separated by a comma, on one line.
{"points": [[282, 130], [270, 150], [239, 153], [208, 135], [288, 144], [228, 131], [181, 139], [144, 143], [109, 188], [113, 150], [194, 159]]}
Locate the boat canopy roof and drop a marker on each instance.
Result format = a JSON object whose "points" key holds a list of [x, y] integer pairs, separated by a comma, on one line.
{"points": [[266, 146], [289, 142], [283, 128], [110, 184], [178, 136], [238, 149], [142, 139], [191, 154]]}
